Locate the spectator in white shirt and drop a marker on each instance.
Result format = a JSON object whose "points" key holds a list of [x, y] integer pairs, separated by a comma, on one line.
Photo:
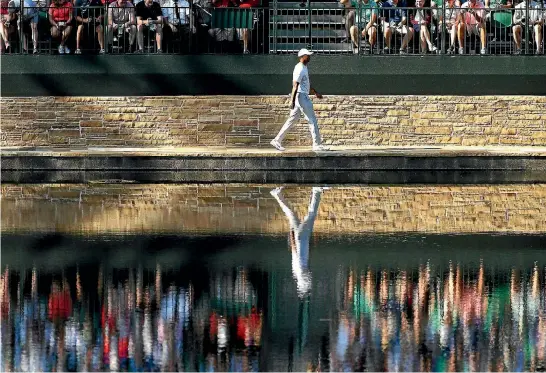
{"points": [[535, 22]]}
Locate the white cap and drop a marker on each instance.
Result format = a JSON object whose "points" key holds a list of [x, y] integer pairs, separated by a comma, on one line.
{"points": [[304, 52]]}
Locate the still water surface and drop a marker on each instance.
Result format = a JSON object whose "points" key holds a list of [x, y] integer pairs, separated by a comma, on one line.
{"points": [[294, 301]]}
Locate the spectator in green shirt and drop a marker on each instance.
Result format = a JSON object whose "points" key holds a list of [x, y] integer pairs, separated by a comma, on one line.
{"points": [[362, 15]]}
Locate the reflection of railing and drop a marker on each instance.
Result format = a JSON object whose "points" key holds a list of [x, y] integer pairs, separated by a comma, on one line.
{"points": [[285, 27]]}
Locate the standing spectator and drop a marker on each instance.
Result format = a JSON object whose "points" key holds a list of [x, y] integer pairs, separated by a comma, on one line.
{"points": [[149, 16], [121, 18], [474, 21], [60, 17], [395, 21], [420, 21], [535, 22], [223, 34], [89, 13], [28, 21], [245, 33], [5, 24], [451, 21], [366, 19]]}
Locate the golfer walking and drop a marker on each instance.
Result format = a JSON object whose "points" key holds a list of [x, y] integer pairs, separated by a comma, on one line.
{"points": [[301, 103]]}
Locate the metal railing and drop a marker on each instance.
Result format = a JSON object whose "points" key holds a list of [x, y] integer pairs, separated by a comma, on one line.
{"points": [[367, 28]]}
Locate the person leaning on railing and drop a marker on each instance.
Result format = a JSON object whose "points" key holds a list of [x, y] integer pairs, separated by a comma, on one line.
{"points": [[395, 20], [365, 19], [535, 22], [473, 13], [451, 21], [61, 19], [89, 15], [121, 18], [149, 16], [28, 22], [176, 16]]}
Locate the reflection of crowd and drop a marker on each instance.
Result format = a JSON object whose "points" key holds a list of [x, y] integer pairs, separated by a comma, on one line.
{"points": [[129, 326], [452, 322], [454, 319]]}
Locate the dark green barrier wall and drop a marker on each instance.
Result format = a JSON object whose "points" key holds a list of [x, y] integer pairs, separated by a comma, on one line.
{"points": [[130, 75]]}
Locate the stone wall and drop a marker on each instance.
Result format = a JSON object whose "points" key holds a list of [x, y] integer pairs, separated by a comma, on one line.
{"points": [[232, 208], [78, 122]]}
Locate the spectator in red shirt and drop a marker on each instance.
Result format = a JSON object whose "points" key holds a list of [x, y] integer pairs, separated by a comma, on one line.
{"points": [[245, 33], [223, 34], [5, 24], [60, 17]]}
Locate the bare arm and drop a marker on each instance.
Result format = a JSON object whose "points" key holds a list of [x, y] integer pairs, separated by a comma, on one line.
{"points": [[295, 86], [314, 92], [110, 19]]}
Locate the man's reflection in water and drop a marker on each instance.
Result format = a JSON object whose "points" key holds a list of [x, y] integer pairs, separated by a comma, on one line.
{"points": [[300, 234]]}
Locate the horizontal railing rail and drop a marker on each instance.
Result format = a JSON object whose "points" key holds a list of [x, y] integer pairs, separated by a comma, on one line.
{"points": [[360, 28]]}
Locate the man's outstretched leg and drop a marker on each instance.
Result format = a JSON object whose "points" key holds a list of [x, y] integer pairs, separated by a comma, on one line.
{"points": [[294, 116]]}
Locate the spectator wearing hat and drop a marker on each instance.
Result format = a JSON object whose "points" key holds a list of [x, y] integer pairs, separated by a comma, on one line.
{"points": [[61, 17], [89, 15], [121, 18], [150, 17], [535, 22], [300, 103]]}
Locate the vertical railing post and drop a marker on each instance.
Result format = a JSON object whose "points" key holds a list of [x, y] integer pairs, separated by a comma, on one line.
{"points": [[443, 31], [527, 2], [20, 22], [310, 44]]}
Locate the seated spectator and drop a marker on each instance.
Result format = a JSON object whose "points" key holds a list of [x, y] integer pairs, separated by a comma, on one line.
{"points": [[420, 20], [176, 15], [535, 22], [349, 17], [149, 16], [474, 21], [366, 19], [395, 20], [61, 17], [223, 34], [121, 18], [29, 21], [245, 33], [89, 15], [451, 21]]}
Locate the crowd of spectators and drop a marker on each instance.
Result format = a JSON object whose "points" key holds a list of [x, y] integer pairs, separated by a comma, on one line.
{"points": [[457, 20], [394, 23]]}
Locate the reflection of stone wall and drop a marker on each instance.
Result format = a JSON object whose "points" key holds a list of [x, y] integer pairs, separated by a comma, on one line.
{"points": [[239, 208], [252, 121]]}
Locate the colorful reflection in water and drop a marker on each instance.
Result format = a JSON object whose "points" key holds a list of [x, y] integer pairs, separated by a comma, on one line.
{"points": [[376, 319]]}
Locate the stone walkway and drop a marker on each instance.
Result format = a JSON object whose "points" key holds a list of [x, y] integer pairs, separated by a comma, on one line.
{"points": [[338, 151]]}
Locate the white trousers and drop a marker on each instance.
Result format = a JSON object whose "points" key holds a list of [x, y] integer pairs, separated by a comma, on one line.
{"points": [[303, 105]]}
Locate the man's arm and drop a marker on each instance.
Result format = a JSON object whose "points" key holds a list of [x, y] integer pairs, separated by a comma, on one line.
{"points": [[314, 91], [110, 19], [295, 86], [51, 20]]}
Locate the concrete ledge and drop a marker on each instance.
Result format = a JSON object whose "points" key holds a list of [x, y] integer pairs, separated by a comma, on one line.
{"points": [[340, 165]]}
